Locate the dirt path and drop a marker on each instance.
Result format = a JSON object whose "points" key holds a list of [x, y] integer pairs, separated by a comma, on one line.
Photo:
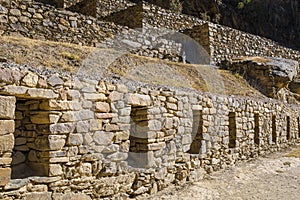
{"points": [[274, 177]]}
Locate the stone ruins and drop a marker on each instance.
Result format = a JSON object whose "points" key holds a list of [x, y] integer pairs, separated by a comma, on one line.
{"points": [[63, 136]]}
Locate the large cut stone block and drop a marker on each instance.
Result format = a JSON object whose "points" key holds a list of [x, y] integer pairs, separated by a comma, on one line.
{"points": [[7, 107], [4, 176], [7, 126], [139, 100], [6, 143], [42, 93]]}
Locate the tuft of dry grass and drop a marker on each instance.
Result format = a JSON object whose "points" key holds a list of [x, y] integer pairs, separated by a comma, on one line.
{"points": [[70, 57], [295, 154], [43, 54]]}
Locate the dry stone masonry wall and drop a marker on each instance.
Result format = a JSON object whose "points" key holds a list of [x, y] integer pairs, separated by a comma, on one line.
{"points": [[39, 21], [101, 139]]}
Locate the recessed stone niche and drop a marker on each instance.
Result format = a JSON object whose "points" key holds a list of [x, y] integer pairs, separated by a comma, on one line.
{"points": [[30, 155]]}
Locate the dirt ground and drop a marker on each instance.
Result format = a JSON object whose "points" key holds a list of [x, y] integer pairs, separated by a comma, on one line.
{"points": [[273, 177]]}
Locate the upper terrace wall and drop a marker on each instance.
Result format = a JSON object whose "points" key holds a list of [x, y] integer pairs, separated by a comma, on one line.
{"points": [[155, 16], [35, 20], [226, 43], [102, 139], [39, 21]]}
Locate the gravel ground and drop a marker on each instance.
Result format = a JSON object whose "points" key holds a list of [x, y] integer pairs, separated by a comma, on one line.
{"points": [[274, 177]]}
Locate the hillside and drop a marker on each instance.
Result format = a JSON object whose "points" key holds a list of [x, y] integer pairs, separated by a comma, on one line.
{"points": [[76, 59]]}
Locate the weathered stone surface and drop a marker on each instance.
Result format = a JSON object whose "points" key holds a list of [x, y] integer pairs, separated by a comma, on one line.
{"points": [[4, 176], [56, 142], [103, 138], [266, 74], [18, 158], [42, 93], [10, 76], [37, 195], [70, 196], [115, 96], [44, 180], [95, 125], [16, 184], [55, 170], [7, 107], [62, 128], [30, 80], [102, 107], [7, 143], [20, 91], [95, 97], [55, 81], [75, 139], [40, 118], [5, 161], [139, 100], [7, 126], [60, 105]]}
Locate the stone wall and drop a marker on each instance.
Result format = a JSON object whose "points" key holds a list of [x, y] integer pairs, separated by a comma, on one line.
{"points": [[38, 21], [103, 139], [155, 16], [226, 43]]}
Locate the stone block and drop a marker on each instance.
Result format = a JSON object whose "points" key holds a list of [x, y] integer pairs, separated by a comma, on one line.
{"points": [[42, 93], [115, 96], [123, 135], [18, 158], [40, 118], [139, 100], [51, 142], [71, 196], [55, 81], [111, 127], [15, 90], [30, 80], [94, 97], [85, 169], [105, 115], [154, 125], [172, 106], [37, 195], [4, 176], [5, 161], [103, 138], [75, 139], [7, 107], [61, 128], [6, 143], [7, 126], [102, 107], [55, 170], [95, 124], [82, 126], [10, 76]]}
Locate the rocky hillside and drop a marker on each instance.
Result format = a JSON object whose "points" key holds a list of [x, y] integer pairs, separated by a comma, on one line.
{"points": [[278, 20]]}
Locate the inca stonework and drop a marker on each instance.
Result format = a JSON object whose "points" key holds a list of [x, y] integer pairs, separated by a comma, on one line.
{"points": [[67, 136], [41, 21]]}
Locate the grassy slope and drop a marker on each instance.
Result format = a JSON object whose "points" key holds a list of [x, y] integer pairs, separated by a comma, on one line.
{"points": [[70, 57]]}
